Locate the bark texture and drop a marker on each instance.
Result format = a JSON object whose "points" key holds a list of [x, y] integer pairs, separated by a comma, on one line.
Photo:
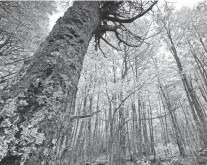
{"points": [[35, 124]]}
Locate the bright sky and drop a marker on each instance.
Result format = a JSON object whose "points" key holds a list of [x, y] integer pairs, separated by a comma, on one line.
{"points": [[53, 18], [178, 4], [61, 10], [181, 3]]}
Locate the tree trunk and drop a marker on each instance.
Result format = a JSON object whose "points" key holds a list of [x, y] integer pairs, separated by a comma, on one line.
{"points": [[145, 132], [122, 114], [122, 132], [177, 132], [190, 94], [88, 137], [135, 134], [140, 135], [80, 141], [35, 118], [151, 130], [111, 133]]}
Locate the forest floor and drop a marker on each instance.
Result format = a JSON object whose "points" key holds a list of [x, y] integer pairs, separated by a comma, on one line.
{"points": [[188, 160]]}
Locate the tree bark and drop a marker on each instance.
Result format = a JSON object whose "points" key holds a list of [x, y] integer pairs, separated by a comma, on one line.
{"points": [[35, 110]]}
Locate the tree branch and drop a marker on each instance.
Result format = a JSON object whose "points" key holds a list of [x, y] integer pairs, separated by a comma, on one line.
{"points": [[84, 116], [110, 44], [130, 20]]}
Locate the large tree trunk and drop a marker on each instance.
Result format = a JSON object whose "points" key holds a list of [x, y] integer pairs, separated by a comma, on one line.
{"points": [[35, 111]]}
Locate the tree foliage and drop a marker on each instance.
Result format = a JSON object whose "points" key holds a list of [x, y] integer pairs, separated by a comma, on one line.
{"points": [[23, 27]]}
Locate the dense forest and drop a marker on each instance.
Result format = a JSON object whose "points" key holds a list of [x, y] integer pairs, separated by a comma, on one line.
{"points": [[113, 83]]}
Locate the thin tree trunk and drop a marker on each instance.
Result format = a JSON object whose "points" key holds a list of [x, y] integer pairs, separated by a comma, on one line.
{"points": [[129, 143], [140, 146], [122, 133], [190, 92], [88, 137], [79, 142], [152, 145], [122, 114], [135, 134], [110, 147], [94, 149], [145, 132], [178, 138]]}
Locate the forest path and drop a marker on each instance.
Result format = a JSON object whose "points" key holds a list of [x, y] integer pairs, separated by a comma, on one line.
{"points": [[189, 160], [103, 160]]}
